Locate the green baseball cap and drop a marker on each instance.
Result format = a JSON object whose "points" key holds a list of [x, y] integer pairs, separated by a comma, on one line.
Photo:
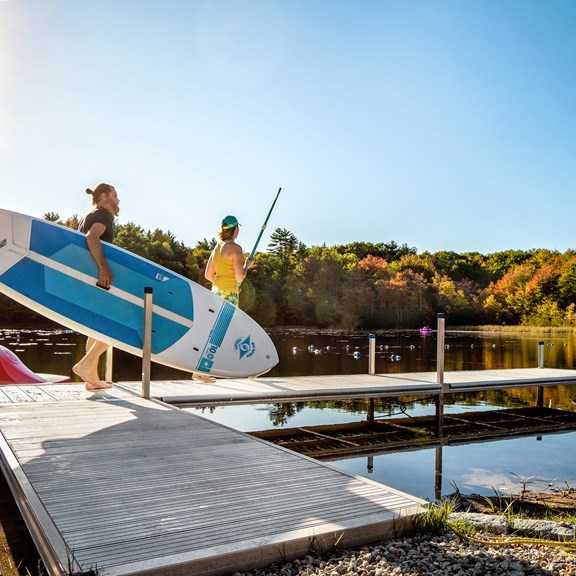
{"points": [[230, 222]]}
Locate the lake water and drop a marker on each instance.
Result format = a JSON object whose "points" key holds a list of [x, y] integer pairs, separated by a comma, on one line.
{"points": [[484, 468]]}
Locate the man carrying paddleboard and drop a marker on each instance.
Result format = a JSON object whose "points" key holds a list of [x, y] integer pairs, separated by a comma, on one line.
{"points": [[98, 225], [226, 267]]}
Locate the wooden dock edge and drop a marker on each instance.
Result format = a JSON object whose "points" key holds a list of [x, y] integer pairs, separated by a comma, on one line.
{"points": [[419, 388], [249, 555], [300, 396], [57, 558], [512, 383]]}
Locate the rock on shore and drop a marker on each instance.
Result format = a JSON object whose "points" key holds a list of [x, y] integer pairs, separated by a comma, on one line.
{"points": [[426, 555]]}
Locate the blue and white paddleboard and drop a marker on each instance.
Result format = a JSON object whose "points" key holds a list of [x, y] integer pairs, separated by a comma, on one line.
{"points": [[48, 268]]}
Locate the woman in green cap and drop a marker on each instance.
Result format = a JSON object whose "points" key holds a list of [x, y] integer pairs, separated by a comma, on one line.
{"points": [[226, 267]]}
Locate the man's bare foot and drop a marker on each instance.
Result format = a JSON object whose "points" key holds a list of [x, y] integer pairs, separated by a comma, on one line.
{"points": [[203, 378], [100, 386], [93, 382]]}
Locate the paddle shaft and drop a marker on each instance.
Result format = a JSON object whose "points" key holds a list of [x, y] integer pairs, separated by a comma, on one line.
{"points": [[251, 257]]}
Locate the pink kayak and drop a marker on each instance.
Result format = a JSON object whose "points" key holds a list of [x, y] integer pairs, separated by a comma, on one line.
{"points": [[13, 371]]}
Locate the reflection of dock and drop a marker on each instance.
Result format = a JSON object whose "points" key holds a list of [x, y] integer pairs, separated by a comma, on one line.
{"points": [[113, 484], [330, 442], [372, 438], [312, 388]]}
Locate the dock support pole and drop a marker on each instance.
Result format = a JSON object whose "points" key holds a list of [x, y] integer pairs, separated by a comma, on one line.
{"points": [[541, 354], [540, 396], [440, 348], [109, 360], [147, 344], [438, 474], [440, 373], [370, 414], [371, 371], [372, 354]]}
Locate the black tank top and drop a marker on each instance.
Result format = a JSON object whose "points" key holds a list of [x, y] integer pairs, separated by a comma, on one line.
{"points": [[99, 216]]}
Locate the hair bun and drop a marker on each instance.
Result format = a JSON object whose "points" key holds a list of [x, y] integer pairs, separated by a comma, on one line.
{"points": [[88, 191]]}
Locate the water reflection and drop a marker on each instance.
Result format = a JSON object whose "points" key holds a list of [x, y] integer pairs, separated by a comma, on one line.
{"points": [[484, 468], [306, 352], [430, 472]]}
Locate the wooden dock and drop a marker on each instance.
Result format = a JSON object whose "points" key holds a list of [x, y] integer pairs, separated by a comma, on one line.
{"points": [[313, 388], [118, 485]]}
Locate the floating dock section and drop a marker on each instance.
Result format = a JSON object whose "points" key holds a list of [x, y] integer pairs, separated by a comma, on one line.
{"points": [[334, 387]]}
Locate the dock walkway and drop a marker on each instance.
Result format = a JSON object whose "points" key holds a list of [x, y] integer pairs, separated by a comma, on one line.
{"points": [[120, 485], [311, 388]]}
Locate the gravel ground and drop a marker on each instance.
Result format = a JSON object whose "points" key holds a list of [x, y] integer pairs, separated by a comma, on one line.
{"points": [[450, 555], [424, 555]]}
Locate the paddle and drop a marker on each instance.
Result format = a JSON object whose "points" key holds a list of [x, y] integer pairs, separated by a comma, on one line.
{"points": [[251, 257]]}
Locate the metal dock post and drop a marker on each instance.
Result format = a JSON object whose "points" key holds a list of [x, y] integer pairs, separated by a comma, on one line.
{"points": [[372, 354], [540, 393], [440, 372], [147, 344]]}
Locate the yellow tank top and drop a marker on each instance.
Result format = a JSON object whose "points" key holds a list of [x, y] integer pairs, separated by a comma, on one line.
{"points": [[224, 270]]}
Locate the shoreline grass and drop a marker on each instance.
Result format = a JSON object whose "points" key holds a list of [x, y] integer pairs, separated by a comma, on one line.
{"points": [[515, 329]]}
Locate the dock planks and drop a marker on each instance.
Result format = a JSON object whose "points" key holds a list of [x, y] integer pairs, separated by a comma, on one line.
{"points": [[127, 486]]}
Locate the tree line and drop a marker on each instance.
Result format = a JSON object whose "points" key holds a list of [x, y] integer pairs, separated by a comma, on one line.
{"points": [[365, 285]]}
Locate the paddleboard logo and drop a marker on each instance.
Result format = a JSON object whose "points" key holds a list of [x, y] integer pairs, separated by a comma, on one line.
{"points": [[3, 243], [245, 347], [216, 338], [207, 360]]}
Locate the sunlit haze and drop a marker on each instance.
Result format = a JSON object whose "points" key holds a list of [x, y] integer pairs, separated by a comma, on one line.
{"points": [[441, 124]]}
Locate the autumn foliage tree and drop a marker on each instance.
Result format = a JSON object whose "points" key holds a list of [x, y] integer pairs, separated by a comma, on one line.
{"points": [[363, 285]]}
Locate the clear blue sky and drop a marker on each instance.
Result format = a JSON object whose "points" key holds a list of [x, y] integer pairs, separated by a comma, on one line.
{"points": [[442, 124]]}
